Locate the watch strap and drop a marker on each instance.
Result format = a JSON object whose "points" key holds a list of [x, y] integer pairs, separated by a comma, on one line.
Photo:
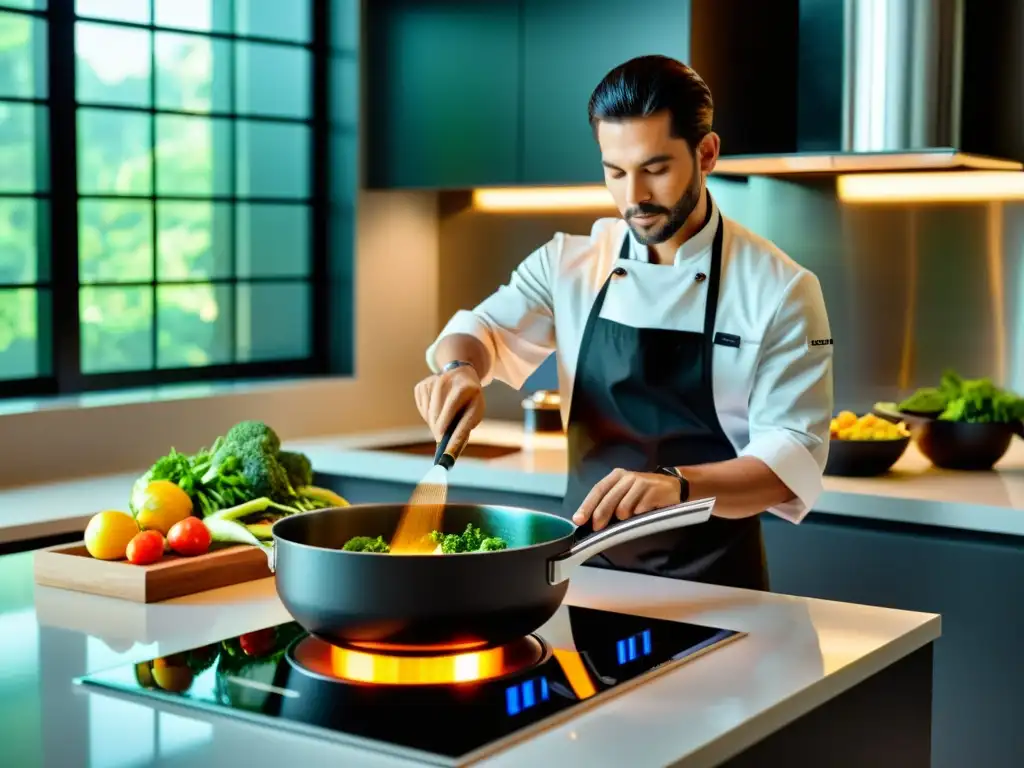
{"points": [[456, 364], [684, 484]]}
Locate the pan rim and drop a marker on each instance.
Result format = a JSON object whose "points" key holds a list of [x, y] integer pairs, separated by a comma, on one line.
{"points": [[461, 505]]}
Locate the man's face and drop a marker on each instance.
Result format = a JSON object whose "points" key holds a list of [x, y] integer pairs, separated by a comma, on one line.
{"points": [[654, 178]]}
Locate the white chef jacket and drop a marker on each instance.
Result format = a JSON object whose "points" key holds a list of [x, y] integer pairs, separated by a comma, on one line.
{"points": [[773, 393]]}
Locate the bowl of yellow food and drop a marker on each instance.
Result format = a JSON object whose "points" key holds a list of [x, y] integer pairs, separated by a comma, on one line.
{"points": [[864, 446]]}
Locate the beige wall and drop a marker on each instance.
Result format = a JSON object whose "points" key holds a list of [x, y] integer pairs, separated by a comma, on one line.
{"points": [[396, 316]]}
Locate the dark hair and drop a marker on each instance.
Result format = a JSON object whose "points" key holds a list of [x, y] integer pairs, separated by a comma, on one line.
{"points": [[649, 84]]}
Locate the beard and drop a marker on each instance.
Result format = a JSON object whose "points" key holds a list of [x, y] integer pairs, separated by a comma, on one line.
{"points": [[676, 216]]}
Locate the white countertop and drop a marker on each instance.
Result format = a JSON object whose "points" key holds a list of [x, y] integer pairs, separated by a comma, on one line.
{"points": [[797, 654], [914, 492]]}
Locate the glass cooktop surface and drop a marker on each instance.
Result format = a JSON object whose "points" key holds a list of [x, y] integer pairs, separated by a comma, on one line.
{"points": [[485, 700]]}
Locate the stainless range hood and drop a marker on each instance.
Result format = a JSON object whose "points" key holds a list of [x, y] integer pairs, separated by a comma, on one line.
{"points": [[864, 85]]}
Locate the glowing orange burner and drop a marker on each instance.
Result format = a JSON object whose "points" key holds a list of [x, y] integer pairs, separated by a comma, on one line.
{"points": [[417, 670], [359, 666]]}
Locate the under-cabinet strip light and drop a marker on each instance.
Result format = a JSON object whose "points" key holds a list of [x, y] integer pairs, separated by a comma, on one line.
{"points": [[542, 198], [908, 187], [944, 186]]}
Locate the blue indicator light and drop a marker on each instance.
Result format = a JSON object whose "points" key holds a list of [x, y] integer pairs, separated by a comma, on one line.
{"points": [[519, 698], [512, 700], [632, 648]]}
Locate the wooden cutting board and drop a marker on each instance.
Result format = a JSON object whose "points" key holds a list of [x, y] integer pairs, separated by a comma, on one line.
{"points": [[70, 566]]}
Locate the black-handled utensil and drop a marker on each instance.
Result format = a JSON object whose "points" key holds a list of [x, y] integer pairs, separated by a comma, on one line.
{"points": [[441, 455]]}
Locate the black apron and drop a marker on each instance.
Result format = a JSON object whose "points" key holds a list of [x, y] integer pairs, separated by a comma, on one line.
{"points": [[643, 398]]}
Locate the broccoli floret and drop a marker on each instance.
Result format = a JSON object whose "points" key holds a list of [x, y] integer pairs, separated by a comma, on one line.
{"points": [[452, 544], [367, 544], [470, 540], [265, 476], [298, 467], [250, 449], [253, 433]]}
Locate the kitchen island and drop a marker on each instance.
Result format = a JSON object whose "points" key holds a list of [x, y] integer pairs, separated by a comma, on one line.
{"points": [[919, 539], [810, 682]]}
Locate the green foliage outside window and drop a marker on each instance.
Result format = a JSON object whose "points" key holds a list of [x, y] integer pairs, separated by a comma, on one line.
{"points": [[193, 229]]}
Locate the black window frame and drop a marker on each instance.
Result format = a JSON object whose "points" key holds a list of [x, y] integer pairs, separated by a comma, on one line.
{"points": [[59, 337]]}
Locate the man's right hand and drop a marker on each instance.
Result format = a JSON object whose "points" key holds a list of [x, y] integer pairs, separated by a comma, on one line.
{"points": [[440, 397]]}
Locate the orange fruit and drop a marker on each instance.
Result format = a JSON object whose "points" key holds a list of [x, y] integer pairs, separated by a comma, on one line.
{"points": [[160, 505], [108, 533]]}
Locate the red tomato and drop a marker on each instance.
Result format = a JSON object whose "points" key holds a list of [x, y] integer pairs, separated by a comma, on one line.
{"points": [[145, 547], [257, 643], [189, 537]]}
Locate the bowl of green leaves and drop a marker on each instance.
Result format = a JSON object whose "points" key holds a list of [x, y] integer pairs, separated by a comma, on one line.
{"points": [[965, 424]]}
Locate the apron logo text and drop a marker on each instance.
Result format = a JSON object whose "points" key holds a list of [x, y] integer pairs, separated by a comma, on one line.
{"points": [[727, 340]]}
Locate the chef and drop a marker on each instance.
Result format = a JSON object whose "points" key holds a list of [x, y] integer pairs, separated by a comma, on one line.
{"points": [[694, 357]]}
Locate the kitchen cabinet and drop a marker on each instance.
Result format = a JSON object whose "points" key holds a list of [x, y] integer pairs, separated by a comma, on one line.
{"points": [[567, 49], [442, 84], [976, 583], [462, 93]]}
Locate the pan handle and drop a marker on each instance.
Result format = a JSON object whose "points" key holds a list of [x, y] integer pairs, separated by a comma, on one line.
{"points": [[669, 518]]}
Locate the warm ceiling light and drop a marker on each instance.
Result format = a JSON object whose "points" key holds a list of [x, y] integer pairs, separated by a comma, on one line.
{"points": [[951, 186], [553, 199]]}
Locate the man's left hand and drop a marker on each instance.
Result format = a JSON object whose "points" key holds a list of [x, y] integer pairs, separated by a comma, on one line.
{"points": [[623, 494]]}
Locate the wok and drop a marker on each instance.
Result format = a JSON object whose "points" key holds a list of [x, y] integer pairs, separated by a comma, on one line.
{"points": [[393, 602]]}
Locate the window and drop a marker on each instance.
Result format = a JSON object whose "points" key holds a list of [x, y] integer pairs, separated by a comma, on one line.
{"points": [[159, 192], [25, 295]]}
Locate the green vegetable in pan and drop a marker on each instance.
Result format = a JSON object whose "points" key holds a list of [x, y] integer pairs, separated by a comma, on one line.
{"points": [[366, 544], [470, 540]]}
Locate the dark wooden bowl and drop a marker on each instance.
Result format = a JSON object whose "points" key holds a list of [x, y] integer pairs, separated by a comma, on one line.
{"points": [[964, 445], [970, 446], [864, 458]]}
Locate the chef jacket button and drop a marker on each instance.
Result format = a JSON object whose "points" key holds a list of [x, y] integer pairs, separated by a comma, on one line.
{"points": [[619, 271], [701, 277]]}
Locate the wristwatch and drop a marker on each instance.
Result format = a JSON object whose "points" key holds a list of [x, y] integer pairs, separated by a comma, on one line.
{"points": [[456, 364], [684, 484]]}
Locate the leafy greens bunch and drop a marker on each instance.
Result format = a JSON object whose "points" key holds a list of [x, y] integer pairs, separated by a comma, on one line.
{"points": [[960, 399], [244, 473]]}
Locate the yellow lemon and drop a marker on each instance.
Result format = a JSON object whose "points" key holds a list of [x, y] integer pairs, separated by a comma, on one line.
{"points": [[160, 505], [108, 533]]}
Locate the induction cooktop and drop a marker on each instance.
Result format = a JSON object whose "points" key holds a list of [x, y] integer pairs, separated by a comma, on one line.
{"points": [[483, 700]]}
